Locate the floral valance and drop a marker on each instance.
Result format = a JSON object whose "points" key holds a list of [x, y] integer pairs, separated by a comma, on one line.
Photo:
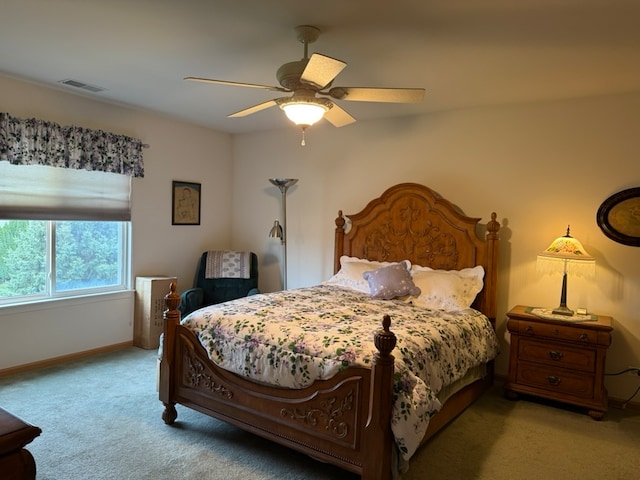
{"points": [[38, 142]]}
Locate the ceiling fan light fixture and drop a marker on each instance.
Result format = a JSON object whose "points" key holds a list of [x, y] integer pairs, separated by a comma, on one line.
{"points": [[305, 111]]}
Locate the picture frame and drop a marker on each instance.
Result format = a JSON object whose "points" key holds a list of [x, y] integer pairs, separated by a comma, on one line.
{"points": [[619, 217], [185, 203]]}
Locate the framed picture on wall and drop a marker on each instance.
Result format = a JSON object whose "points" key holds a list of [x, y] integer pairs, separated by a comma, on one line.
{"points": [[619, 217], [185, 203]]}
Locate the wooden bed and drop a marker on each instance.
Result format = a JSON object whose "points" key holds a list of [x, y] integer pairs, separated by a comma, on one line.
{"points": [[344, 421]]}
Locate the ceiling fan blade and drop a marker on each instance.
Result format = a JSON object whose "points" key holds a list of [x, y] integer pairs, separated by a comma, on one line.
{"points": [[237, 84], [254, 109], [338, 117], [369, 94], [321, 70]]}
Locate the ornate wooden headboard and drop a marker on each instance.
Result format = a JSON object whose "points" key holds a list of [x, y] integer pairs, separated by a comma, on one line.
{"points": [[411, 221]]}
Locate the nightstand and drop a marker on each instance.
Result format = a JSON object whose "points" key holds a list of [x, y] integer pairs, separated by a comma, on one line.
{"points": [[559, 360]]}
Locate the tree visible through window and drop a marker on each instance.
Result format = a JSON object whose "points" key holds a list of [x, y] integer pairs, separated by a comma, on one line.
{"points": [[40, 259]]}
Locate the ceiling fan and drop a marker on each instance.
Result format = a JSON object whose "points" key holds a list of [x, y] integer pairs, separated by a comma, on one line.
{"points": [[313, 76]]}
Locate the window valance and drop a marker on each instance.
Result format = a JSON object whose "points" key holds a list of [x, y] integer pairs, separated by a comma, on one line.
{"points": [[39, 142]]}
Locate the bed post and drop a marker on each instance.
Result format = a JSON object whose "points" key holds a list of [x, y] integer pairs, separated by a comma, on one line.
{"points": [[491, 280], [379, 441], [339, 242], [171, 317]]}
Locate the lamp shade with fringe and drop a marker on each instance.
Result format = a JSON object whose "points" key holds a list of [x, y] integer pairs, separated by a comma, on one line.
{"points": [[566, 255]]}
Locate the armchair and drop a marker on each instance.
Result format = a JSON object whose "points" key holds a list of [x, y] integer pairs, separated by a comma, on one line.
{"points": [[209, 289]]}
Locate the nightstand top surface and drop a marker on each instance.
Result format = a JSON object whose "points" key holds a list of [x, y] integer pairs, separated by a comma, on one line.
{"points": [[601, 322]]}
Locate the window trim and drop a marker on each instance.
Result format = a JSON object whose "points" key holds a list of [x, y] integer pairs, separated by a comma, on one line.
{"points": [[61, 302]]}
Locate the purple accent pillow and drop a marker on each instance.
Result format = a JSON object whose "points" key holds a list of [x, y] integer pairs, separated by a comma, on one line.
{"points": [[390, 282]]}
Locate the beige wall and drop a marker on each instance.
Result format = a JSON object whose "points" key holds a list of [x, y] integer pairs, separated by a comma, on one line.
{"points": [[178, 151], [540, 167]]}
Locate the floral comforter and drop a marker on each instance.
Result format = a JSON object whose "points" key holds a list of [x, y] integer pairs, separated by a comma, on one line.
{"points": [[295, 337]]}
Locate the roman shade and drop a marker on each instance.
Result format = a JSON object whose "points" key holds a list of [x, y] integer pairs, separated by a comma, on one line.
{"points": [[50, 172], [39, 192]]}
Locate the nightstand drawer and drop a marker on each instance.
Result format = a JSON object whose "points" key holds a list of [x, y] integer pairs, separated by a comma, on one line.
{"points": [[560, 332], [557, 354], [556, 380]]}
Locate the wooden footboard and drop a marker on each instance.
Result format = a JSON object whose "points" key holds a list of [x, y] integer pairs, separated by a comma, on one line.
{"points": [[344, 421]]}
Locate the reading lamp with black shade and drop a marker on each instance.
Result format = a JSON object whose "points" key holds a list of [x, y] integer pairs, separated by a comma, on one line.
{"points": [[566, 255]]}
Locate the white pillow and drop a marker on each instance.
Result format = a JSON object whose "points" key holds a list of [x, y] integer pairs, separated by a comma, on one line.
{"points": [[447, 289], [351, 270]]}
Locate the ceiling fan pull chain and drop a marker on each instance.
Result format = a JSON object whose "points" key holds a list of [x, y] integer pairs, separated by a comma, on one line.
{"points": [[303, 143]]}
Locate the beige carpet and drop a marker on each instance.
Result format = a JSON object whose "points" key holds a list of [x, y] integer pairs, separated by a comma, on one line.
{"points": [[101, 420]]}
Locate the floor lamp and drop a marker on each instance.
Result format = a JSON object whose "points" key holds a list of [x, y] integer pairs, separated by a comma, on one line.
{"points": [[280, 231]]}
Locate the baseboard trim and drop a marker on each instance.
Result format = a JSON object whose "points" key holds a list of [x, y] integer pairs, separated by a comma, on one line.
{"points": [[64, 358]]}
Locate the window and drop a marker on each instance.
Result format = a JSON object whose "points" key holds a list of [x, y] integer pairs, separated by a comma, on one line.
{"points": [[42, 259], [65, 209]]}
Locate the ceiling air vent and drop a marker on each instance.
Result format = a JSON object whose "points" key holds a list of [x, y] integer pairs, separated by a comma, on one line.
{"points": [[84, 86]]}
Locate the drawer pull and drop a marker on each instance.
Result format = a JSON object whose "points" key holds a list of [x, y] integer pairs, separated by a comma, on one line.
{"points": [[528, 329], [555, 381], [584, 337], [553, 355]]}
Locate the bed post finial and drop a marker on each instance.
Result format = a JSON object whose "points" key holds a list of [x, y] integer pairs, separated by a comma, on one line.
{"points": [[385, 339], [493, 226], [172, 299]]}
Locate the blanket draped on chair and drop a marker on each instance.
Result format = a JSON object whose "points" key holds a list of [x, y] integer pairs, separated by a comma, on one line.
{"points": [[228, 264]]}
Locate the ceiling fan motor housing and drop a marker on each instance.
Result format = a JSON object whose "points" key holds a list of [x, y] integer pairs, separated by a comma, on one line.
{"points": [[289, 74]]}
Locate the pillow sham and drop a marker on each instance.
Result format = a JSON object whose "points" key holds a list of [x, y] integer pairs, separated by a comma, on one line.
{"points": [[447, 290], [390, 282], [351, 270]]}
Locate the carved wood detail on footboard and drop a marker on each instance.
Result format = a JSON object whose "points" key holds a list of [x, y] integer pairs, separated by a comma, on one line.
{"points": [[339, 421]]}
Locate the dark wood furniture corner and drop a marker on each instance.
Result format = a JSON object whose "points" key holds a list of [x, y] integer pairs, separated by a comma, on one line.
{"points": [[559, 360], [16, 463]]}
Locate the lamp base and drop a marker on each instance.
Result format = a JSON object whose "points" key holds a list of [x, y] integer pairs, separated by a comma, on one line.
{"points": [[563, 310]]}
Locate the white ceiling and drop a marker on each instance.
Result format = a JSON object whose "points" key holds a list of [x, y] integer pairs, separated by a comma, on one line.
{"points": [[465, 53]]}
